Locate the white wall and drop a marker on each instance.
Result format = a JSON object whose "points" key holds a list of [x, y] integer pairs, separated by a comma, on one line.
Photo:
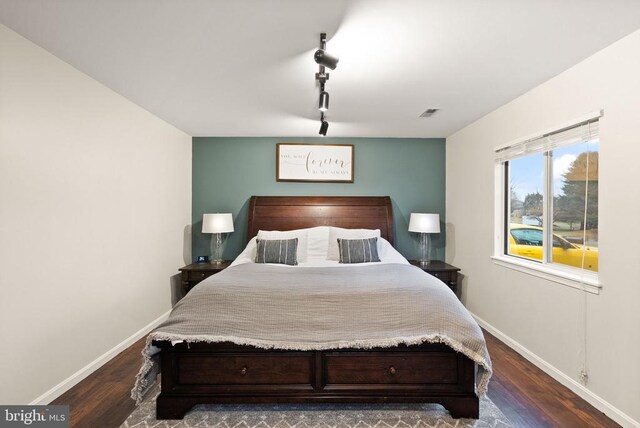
{"points": [[95, 194], [545, 317]]}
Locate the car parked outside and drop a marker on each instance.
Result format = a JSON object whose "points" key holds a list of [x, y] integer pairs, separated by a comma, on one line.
{"points": [[526, 241]]}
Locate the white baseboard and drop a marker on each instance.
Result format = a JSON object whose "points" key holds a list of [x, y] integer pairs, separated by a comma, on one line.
{"points": [[596, 401], [75, 378]]}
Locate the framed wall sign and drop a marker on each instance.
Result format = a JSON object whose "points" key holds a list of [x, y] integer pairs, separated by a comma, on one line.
{"points": [[332, 163]]}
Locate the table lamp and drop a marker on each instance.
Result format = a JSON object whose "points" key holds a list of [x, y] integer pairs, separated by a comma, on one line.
{"points": [[424, 224], [217, 224]]}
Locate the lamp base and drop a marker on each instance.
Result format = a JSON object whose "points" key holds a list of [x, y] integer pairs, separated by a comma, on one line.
{"points": [[216, 249], [425, 250]]}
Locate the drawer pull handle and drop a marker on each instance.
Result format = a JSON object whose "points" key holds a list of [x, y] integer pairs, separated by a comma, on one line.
{"points": [[243, 371], [392, 370], [202, 274]]}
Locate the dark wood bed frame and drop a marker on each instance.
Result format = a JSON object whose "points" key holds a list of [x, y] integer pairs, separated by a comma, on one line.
{"points": [[201, 373]]}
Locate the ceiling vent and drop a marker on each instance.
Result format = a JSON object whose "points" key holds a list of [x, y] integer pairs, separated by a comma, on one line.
{"points": [[429, 112]]}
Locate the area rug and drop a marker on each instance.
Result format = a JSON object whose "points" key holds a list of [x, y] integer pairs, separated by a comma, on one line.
{"points": [[315, 416]]}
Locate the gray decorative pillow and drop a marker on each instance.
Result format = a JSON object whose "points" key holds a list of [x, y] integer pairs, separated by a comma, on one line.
{"points": [[358, 250], [282, 251]]}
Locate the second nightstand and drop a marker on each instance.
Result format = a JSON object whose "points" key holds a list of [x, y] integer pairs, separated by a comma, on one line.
{"points": [[441, 270], [196, 272]]}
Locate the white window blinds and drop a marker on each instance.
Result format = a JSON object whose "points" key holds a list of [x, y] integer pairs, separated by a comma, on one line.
{"points": [[579, 133]]}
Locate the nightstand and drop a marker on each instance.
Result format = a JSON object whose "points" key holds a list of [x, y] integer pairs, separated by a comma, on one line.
{"points": [[196, 272], [441, 270]]}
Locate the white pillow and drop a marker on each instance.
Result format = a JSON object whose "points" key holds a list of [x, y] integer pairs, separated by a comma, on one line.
{"points": [[301, 234], [248, 255], [333, 253], [317, 243], [388, 254]]}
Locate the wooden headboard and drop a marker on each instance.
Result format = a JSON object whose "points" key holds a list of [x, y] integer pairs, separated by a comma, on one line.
{"points": [[298, 212]]}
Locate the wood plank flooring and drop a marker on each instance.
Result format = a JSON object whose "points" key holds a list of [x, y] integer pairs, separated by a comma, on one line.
{"points": [[103, 400], [525, 394], [531, 398]]}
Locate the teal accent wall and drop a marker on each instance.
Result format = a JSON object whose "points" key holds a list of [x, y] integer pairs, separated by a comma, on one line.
{"points": [[227, 171]]}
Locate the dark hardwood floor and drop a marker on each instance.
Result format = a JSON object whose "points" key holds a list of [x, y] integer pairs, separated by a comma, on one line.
{"points": [[103, 399], [525, 394], [531, 398]]}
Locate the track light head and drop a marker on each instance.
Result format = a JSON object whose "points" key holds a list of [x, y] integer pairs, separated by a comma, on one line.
{"points": [[325, 59], [323, 102], [324, 126]]}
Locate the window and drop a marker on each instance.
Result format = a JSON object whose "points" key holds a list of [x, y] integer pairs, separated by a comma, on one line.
{"points": [[547, 203]]}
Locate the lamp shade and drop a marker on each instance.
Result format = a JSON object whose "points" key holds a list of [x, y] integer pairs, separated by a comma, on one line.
{"points": [[217, 223], [424, 223]]}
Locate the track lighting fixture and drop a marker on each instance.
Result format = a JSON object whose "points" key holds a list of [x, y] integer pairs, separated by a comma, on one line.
{"points": [[323, 104], [324, 125], [322, 57], [324, 60]]}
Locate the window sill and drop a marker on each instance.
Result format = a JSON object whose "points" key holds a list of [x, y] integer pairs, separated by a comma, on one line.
{"points": [[587, 281]]}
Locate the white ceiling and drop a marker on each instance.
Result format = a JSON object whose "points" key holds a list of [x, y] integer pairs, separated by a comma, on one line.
{"points": [[245, 67]]}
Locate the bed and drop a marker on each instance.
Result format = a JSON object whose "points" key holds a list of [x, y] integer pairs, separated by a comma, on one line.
{"points": [[226, 368]]}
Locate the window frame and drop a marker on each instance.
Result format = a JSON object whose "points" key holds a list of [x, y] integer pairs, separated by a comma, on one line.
{"points": [[578, 278]]}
